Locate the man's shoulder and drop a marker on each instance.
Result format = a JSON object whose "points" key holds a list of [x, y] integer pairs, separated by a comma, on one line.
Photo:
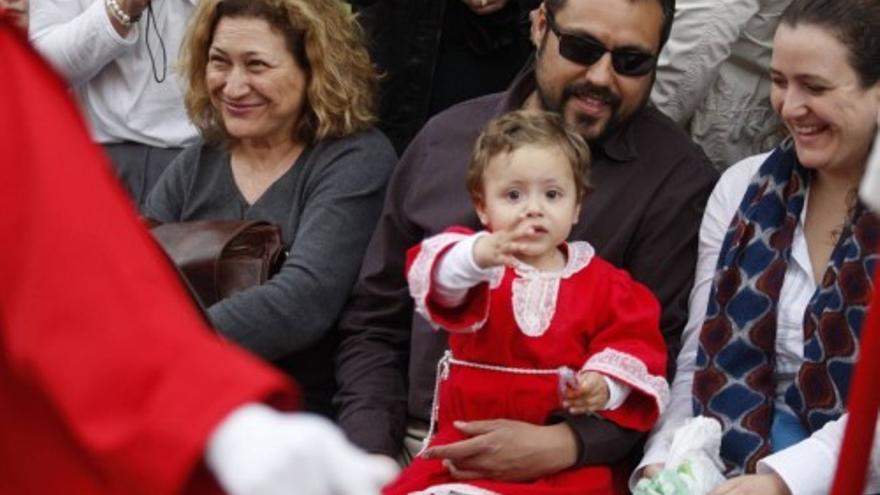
{"points": [[465, 118], [669, 145]]}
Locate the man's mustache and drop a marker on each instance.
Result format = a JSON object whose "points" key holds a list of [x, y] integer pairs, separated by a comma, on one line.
{"points": [[587, 90]]}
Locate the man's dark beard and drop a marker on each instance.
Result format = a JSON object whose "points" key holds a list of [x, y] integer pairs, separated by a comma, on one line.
{"points": [[586, 89]]}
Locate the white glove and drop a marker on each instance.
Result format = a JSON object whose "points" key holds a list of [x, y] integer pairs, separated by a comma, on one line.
{"points": [[870, 190], [257, 450]]}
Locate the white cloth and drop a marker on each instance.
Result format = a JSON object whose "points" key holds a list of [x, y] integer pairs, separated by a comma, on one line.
{"points": [[112, 76], [258, 451], [457, 272], [870, 188], [805, 469], [712, 75]]}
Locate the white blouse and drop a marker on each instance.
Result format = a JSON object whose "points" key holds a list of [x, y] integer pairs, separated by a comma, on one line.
{"points": [[808, 466]]}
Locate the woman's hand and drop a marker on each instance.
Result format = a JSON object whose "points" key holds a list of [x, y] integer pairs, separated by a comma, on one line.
{"points": [[131, 8], [756, 484], [590, 395], [652, 470], [483, 7]]}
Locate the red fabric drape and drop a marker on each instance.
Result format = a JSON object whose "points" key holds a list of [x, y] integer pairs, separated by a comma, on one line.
{"points": [[110, 381], [864, 401]]}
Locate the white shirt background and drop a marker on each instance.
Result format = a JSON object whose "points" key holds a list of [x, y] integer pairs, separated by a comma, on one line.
{"points": [[112, 76]]}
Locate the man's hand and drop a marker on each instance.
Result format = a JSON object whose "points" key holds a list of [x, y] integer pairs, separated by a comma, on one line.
{"points": [[590, 395], [753, 484], [507, 450]]}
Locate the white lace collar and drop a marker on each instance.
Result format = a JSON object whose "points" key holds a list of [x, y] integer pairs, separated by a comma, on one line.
{"points": [[534, 292]]}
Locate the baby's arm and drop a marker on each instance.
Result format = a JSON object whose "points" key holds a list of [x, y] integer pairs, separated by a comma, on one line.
{"points": [[474, 259], [595, 392], [457, 272], [448, 288]]}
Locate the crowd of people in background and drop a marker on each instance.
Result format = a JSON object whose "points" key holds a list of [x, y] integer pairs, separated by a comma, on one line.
{"points": [[527, 242]]}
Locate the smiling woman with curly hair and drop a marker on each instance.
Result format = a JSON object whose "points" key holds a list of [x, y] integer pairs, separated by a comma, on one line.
{"points": [[282, 92]]}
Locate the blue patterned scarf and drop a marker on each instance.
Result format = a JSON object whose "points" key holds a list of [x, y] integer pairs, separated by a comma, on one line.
{"points": [[735, 378]]}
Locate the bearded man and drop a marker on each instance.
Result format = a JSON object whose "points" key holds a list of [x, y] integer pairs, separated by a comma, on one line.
{"points": [[594, 64]]}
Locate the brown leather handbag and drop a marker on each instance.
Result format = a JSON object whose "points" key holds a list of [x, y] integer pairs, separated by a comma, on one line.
{"points": [[218, 258]]}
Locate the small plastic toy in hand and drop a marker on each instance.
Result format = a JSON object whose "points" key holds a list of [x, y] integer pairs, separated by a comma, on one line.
{"points": [[587, 394]]}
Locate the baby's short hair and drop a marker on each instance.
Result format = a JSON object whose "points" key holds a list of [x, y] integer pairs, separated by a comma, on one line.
{"points": [[529, 128]]}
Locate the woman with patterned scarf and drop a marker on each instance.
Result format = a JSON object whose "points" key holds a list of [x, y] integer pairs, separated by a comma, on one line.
{"points": [[787, 254]]}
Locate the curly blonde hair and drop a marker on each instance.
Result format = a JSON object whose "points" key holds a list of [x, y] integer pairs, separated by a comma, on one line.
{"points": [[326, 42], [520, 128]]}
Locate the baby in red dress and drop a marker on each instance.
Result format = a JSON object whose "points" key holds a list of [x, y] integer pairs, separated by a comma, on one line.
{"points": [[525, 307]]}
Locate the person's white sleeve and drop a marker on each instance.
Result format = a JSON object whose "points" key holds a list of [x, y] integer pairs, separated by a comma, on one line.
{"points": [[77, 42], [618, 392], [870, 188], [721, 207], [808, 467], [457, 272], [701, 38], [257, 450]]}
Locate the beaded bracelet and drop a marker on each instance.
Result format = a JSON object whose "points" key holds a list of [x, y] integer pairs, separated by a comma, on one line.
{"points": [[120, 15]]}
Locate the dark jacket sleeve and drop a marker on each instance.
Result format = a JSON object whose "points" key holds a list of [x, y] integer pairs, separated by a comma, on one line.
{"points": [[663, 255], [373, 357]]}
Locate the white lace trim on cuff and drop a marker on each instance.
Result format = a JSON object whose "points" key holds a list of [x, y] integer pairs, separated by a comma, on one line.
{"points": [[420, 273], [454, 489], [633, 372]]}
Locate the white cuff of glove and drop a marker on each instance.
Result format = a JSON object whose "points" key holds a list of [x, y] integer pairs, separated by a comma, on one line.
{"points": [[257, 450]]}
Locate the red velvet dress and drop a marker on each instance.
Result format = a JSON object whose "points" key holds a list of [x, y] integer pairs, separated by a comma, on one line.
{"points": [[588, 316], [110, 382]]}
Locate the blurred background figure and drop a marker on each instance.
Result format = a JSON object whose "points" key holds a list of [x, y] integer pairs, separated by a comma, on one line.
{"points": [[436, 53], [283, 92], [713, 76], [119, 57], [110, 380], [16, 13]]}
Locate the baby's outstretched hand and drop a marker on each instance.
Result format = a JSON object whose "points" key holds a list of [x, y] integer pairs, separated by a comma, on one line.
{"points": [[501, 246], [589, 395]]}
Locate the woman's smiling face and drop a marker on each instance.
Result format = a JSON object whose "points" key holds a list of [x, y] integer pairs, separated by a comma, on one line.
{"points": [[831, 116], [254, 80]]}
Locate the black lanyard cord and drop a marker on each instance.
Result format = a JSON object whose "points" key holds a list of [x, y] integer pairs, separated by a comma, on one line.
{"points": [[152, 17]]}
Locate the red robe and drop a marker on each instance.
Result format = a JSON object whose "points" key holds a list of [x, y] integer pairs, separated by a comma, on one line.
{"points": [[110, 381], [592, 317]]}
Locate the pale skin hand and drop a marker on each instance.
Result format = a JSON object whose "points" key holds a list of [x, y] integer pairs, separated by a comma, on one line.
{"points": [[131, 7], [590, 395], [483, 7], [753, 484], [501, 247], [750, 484], [652, 470], [507, 450]]}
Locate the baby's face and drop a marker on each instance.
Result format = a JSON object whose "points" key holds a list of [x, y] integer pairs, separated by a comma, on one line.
{"points": [[17, 10], [536, 182]]}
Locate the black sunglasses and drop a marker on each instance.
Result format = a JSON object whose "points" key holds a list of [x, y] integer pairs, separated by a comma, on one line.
{"points": [[586, 50]]}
